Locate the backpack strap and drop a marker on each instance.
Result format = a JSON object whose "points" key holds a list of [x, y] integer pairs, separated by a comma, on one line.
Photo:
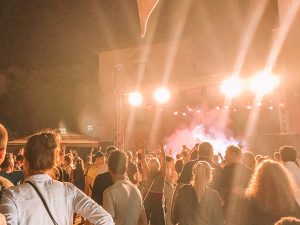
{"points": [[43, 200]]}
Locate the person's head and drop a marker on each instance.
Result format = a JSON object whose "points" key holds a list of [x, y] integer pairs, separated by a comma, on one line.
{"points": [[277, 157], [233, 154], [184, 155], [205, 151], [179, 165], [169, 162], [215, 159], [129, 155], [3, 142], [249, 160], [288, 154], [41, 152], [288, 221], [194, 155], [8, 163], [99, 158], [109, 149], [201, 178], [79, 164], [271, 184], [117, 162], [19, 160], [153, 165]]}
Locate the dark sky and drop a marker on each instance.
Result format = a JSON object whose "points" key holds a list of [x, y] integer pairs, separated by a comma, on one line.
{"points": [[49, 51]]}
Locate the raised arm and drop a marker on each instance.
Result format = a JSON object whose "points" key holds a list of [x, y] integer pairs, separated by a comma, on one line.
{"points": [[162, 158], [143, 161]]}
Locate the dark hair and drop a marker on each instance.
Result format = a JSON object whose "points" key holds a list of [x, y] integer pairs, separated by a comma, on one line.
{"points": [[68, 158], [179, 165], [20, 158], [41, 150], [3, 136], [288, 221], [117, 162], [194, 155], [205, 150], [169, 158], [109, 149], [288, 153], [8, 159]]}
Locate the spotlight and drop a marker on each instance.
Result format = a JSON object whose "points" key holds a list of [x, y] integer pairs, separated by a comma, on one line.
{"points": [[162, 95], [175, 113], [184, 114], [264, 83], [198, 111], [232, 87], [135, 99], [249, 107]]}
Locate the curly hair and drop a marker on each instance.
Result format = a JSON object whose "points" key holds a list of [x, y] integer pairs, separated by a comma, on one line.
{"points": [[271, 188]]}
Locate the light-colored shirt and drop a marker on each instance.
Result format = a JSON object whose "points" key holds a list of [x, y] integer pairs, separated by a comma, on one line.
{"points": [[294, 172], [123, 202], [21, 204]]}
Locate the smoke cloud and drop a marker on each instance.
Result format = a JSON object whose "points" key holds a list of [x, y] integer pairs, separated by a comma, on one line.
{"points": [[205, 125]]}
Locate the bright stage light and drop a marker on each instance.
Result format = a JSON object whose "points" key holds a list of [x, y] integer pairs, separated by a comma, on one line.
{"points": [[135, 99], [264, 83], [232, 87], [162, 95]]}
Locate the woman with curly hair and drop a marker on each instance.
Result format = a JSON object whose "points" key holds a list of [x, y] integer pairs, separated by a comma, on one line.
{"points": [[269, 196]]}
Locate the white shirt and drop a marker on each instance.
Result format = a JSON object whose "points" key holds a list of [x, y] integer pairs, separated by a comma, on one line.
{"points": [[123, 202], [294, 172], [21, 204]]}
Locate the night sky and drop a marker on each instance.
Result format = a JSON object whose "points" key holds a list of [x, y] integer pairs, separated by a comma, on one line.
{"points": [[49, 53]]}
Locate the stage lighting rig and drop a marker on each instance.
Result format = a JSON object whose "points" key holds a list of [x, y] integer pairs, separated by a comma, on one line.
{"points": [[162, 95], [135, 99]]}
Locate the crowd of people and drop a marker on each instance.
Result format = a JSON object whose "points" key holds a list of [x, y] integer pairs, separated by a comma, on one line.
{"points": [[43, 184]]}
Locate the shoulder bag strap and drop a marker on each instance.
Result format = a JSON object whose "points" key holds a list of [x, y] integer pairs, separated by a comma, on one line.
{"points": [[43, 200], [147, 193]]}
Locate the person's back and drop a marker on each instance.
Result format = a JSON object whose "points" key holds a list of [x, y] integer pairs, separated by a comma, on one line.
{"points": [[190, 212], [124, 201], [27, 204], [63, 200], [288, 155], [196, 203]]}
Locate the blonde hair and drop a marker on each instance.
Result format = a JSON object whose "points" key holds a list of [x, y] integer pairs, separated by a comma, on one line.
{"points": [[202, 176], [272, 189], [153, 165]]}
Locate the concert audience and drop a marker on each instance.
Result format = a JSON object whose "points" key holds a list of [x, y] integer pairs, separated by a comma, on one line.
{"points": [[122, 200], [154, 172], [196, 203], [193, 190], [269, 197], [249, 160], [288, 155], [132, 170], [8, 172], [102, 181], [99, 167], [233, 181], [54, 202]]}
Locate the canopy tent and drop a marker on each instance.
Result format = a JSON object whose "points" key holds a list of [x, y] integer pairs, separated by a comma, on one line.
{"points": [[69, 139]]}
